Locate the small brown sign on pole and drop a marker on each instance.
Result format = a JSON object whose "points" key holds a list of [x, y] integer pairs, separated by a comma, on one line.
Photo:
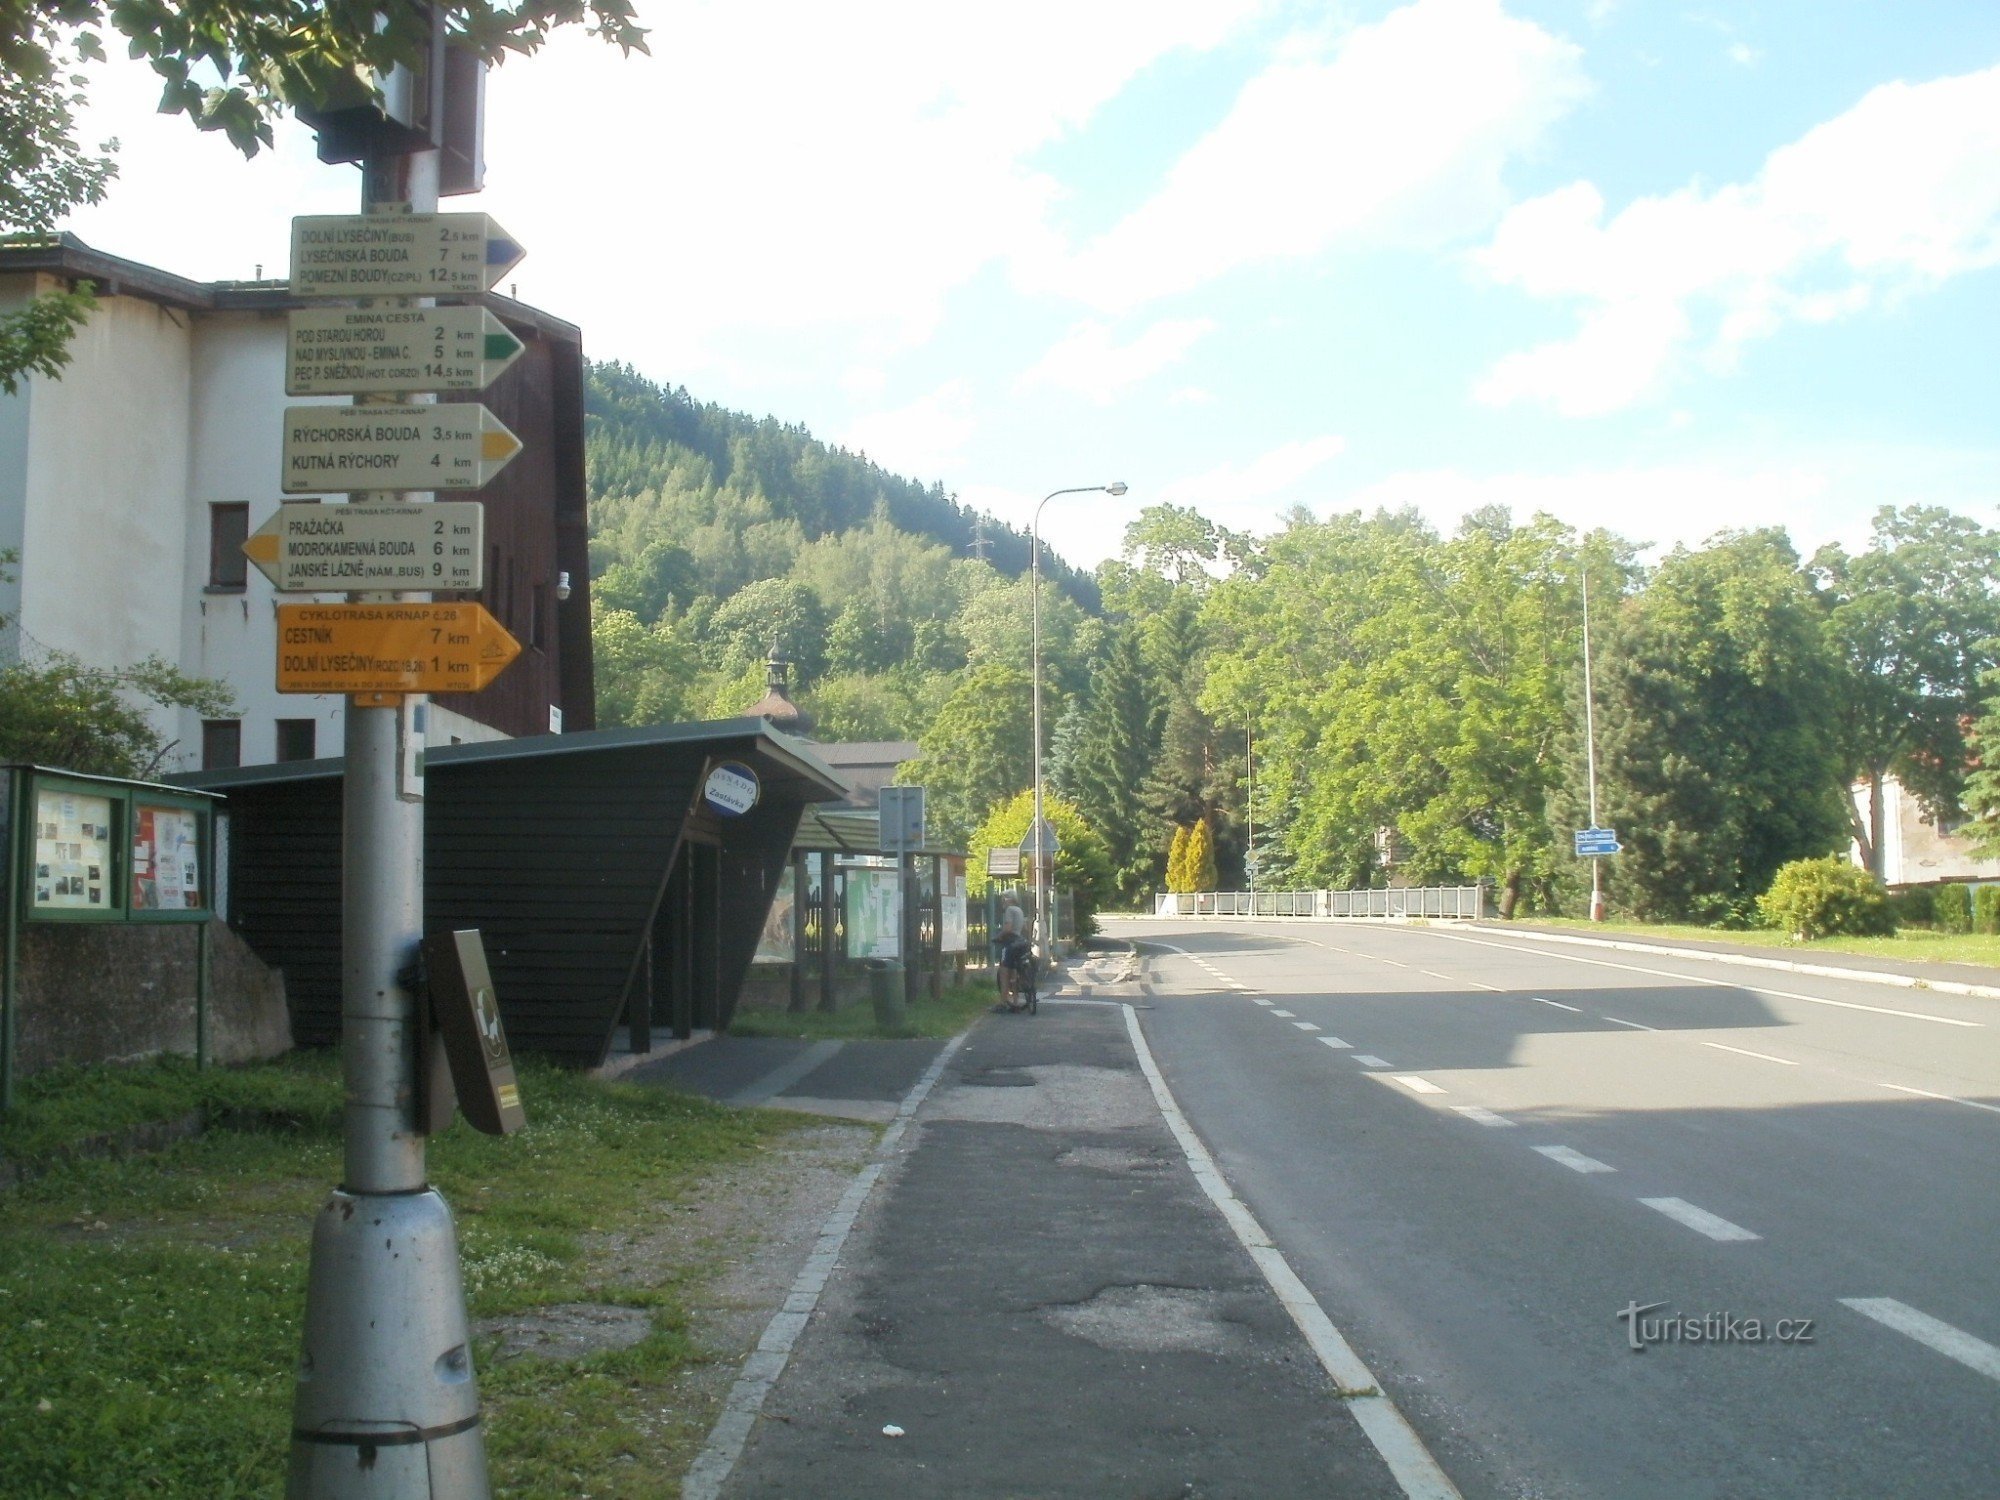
{"points": [[1003, 862], [468, 1017]]}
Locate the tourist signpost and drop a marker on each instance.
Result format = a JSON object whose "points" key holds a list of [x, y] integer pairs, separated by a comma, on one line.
{"points": [[390, 648], [399, 255], [384, 447], [352, 351], [316, 549]]}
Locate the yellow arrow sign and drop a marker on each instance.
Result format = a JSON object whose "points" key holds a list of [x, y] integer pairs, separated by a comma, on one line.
{"points": [[390, 648]]}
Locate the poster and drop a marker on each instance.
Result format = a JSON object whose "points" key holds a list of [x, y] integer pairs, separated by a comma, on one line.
{"points": [[72, 852], [778, 942], [874, 914], [951, 906], [166, 859]]}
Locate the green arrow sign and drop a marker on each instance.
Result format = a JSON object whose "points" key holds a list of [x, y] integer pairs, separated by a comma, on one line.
{"points": [[340, 351]]}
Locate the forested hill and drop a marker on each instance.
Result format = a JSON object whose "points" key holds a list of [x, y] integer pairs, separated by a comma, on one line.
{"points": [[643, 438]]}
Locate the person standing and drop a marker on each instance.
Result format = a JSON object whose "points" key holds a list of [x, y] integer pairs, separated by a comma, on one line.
{"points": [[1009, 943]]}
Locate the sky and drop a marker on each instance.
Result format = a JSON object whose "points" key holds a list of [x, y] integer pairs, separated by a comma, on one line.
{"points": [[1662, 268]]}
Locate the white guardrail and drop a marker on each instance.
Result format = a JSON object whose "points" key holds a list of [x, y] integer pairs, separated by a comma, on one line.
{"points": [[1463, 902]]}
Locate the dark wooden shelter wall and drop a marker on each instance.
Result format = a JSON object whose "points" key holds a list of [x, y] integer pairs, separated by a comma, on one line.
{"points": [[753, 860], [284, 898], [560, 873]]}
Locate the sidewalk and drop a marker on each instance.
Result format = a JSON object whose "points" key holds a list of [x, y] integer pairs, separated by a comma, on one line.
{"points": [[1039, 1296]]}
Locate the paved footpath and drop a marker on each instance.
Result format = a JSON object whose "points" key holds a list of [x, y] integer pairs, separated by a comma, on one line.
{"points": [[1040, 1299]]}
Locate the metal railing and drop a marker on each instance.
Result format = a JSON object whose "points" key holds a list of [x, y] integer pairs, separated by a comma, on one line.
{"points": [[1449, 902]]}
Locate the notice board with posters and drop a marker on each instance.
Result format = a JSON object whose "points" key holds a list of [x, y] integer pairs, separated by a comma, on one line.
{"points": [[93, 849], [951, 904], [777, 943], [874, 913]]}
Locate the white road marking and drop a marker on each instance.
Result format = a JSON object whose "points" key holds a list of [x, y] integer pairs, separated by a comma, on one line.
{"points": [[1305, 1026], [1573, 1009], [1402, 1450], [1991, 1109], [1605, 963], [1284, 1013], [1415, 1084], [1699, 1219], [1258, 1000], [1576, 1161], [1953, 1343], [1746, 1052], [1369, 1062], [1334, 1041], [1480, 1115], [1635, 1025]]}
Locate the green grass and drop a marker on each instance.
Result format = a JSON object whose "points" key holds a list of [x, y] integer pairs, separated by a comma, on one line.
{"points": [[1914, 943], [946, 1016], [152, 1305]]}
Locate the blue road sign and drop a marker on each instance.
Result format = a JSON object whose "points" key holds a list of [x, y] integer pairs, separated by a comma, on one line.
{"points": [[1593, 843]]}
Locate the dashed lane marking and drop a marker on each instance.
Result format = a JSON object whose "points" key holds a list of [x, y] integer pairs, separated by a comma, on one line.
{"points": [[1572, 1009], [1746, 1052], [1902, 1088], [1576, 1161], [1287, 1015], [1260, 1001], [1334, 1042], [1305, 1026], [1369, 1062], [1952, 1343], [1415, 1084], [1699, 1219], [1635, 1025], [1480, 1115]]}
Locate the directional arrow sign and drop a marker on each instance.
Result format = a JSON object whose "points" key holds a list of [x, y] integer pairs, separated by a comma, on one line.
{"points": [[390, 648], [1593, 842], [311, 549], [338, 351], [399, 255], [458, 446]]}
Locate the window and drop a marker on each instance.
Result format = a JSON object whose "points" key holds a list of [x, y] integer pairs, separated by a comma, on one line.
{"points": [[228, 530], [297, 739], [221, 744]]}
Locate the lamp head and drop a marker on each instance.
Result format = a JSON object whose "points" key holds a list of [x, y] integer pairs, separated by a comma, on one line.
{"points": [[1116, 487]]}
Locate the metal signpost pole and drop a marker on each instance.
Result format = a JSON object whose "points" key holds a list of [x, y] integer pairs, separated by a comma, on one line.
{"points": [[385, 1399], [1590, 759]]}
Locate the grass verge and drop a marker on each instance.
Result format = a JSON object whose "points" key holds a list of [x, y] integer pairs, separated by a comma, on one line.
{"points": [[1912, 943], [152, 1304], [946, 1016]]}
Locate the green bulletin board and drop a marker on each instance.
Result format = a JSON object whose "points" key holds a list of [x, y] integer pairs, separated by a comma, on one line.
{"points": [[113, 851]]}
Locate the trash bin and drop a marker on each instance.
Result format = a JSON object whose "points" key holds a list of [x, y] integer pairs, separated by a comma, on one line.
{"points": [[885, 989]]}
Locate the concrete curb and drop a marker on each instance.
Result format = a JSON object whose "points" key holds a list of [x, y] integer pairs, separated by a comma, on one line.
{"points": [[1657, 950]]}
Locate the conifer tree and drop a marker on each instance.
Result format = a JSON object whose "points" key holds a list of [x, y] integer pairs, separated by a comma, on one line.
{"points": [[1177, 860], [1200, 868]]}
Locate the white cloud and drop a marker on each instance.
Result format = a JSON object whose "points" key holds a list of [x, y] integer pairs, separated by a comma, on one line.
{"points": [[1228, 490], [1086, 360], [921, 439], [1886, 200], [1396, 133]]}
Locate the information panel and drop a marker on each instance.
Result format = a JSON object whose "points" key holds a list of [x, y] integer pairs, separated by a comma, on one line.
{"points": [[166, 858], [72, 853], [778, 942], [874, 914]]}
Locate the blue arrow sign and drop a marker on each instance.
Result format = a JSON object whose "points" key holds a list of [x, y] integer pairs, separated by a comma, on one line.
{"points": [[1594, 842]]}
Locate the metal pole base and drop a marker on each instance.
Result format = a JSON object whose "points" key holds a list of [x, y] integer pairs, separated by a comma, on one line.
{"points": [[386, 1406]]}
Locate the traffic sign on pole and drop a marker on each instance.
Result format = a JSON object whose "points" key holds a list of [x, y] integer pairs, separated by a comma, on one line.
{"points": [[390, 648], [339, 351], [314, 549], [456, 446], [1594, 843], [399, 255], [1040, 843]]}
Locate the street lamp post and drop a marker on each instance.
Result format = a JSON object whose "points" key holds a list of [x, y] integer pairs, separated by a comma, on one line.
{"points": [[1044, 923]]}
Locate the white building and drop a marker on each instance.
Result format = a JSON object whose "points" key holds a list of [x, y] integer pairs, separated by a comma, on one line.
{"points": [[128, 485], [1917, 850]]}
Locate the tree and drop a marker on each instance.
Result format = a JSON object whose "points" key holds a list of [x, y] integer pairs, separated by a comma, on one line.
{"points": [[1718, 750], [1911, 621], [1083, 863], [1982, 787], [645, 674], [1199, 869], [1116, 739], [976, 752], [269, 55], [1177, 876], [62, 713]]}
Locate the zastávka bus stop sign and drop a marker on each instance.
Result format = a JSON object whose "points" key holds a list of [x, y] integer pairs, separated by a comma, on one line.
{"points": [[402, 255], [314, 548], [731, 789], [457, 446], [390, 648]]}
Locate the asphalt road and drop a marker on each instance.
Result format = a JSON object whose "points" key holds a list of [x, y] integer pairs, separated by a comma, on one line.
{"points": [[1477, 1150]]}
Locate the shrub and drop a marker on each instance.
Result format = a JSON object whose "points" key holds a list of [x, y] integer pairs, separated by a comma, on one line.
{"points": [[1812, 898], [1912, 906], [1951, 908], [1986, 910]]}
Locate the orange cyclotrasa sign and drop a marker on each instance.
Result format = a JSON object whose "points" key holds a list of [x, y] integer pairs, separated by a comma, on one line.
{"points": [[390, 648]]}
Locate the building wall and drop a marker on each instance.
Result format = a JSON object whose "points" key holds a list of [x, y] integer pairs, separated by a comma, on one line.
{"points": [[103, 457], [1914, 851]]}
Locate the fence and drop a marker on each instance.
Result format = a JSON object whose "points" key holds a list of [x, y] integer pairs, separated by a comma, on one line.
{"points": [[1460, 902]]}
